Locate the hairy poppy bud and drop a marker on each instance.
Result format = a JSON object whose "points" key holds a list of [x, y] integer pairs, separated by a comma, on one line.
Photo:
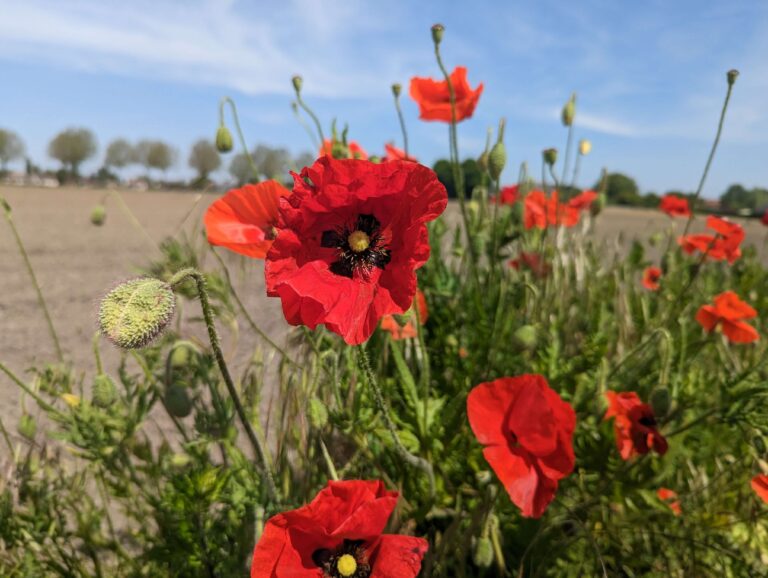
{"points": [[177, 401], [223, 139], [136, 312], [733, 74], [103, 392], [660, 401], [396, 89], [317, 412], [550, 156], [526, 337], [27, 426], [98, 215], [437, 33], [569, 110], [483, 552], [585, 147], [298, 82], [496, 160]]}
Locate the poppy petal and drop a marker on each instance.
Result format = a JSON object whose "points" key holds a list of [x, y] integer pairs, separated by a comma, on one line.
{"points": [[398, 556]]}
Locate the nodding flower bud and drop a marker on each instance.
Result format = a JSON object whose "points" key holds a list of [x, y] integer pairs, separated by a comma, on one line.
{"points": [[550, 156], [98, 215], [585, 147], [397, 89], [103, 392], [223, 139], [136, 312], [437, 33], [733, 74], [526, 336], [297, 81], [483, 553], [177, 401], [569, 110]]}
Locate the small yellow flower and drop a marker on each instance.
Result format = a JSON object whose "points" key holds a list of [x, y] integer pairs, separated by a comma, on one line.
{"points": [[70, 399]]}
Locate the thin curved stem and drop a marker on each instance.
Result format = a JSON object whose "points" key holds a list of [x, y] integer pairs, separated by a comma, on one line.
{"points": [[402, 125], [228, 100], [305, 126], [312, 115], [35, 284], [566, 160], [213, 337]]}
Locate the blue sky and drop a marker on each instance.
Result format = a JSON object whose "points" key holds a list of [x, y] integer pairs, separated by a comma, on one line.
{"points": [[650, 76]]}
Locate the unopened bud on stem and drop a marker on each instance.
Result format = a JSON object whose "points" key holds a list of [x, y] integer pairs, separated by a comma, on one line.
{"points": [[223, 139], [498, 155], [569, 110], [733, 74], [437, 33], [550, 156], [585, 147], [397, 89], [297, 83]]}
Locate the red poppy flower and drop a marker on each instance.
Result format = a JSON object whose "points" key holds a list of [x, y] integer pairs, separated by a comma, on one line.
{"points": [[634, 425], [527, 431], [339, 534], [540, 211], [675, 206], [531, 261], [434, 99], [351, 236], [729, 312], [244, 219], [583, 200], [764, 218], [395, 154], [725, 245], [760, 486], [651, 277], [407, 331], [669, 496], [506, 196], [354, 150]]}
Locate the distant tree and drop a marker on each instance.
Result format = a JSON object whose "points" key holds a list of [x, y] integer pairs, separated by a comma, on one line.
{"points": [[119, 154], [272, 163], [204, 158], [473, 176], [736, 198], [621, 190], [650, 200], [304, 159], [240, 168], [11, 147], [73, 146], [154, 154]]}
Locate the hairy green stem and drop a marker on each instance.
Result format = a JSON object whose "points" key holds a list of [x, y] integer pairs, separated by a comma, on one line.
{"points": [[233, 108], [35, 284], [213, 337]]}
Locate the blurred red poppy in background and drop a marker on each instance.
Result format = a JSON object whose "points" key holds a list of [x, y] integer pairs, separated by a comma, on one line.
{"points": [[351, 241], [506, 196], [540, 211], [725, 245], [583, 200], [354, 150], [408, 330], [634, 425], [534, 262], [527, 431], [651, 277], [760, 486], [244, 219], [670, 497], [764, 218], [395, 154], [434, 99], [338, 534], [675, 206], [729, 312]]}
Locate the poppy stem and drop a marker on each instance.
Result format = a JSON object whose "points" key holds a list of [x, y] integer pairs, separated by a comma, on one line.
{"points": [[303, 123], [402, 124], [566, 160], [213, 336], [312, 115], [411, 459], [710, 158], [576, 167], [131, 217], [426, 374], [29, 391], [246, 152], [33, 277]]}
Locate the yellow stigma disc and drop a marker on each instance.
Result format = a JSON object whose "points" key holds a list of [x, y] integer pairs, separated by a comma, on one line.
{"points": [[358, 241], [346, 564]]}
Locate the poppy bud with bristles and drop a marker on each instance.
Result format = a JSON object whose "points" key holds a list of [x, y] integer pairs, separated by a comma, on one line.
{"points": [[396, 89], [298, 82], [569, 110], [437, 33], [103, 392], [585, 147], [550, 156], [317, 412], [497, 158], [733, 74], [136, 312], [223, 139], [98, 215]]}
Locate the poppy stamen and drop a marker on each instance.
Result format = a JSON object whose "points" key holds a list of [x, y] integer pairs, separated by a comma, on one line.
{"points": [[360, 247], [358, 241], [346, 565]]}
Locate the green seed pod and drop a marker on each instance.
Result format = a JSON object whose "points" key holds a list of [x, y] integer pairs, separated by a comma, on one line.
{"points": [[497, 159], [437, 33], [569, 110], [177, 401], [759, 444], [660, 401], [318, 413], [136, 312], [223, 139], [98, 215], [298, 82], [550, 156], [103, 392], [483, 552], [397, 89], [526, 337], [27, 426], [732, 75]]}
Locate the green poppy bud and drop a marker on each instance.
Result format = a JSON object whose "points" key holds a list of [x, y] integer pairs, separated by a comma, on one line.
{"points": [[103, 392], [98, 215], [27, 426], [496, 160], [298, 82], [177, 401], [317, 412], [660, 401], [526, 336], [569, 110], [483, 552], [136, 312], [437, 33], [733, 74], [585, 147], [223, 139], [397, 89], [181, 354], [550, 156]]}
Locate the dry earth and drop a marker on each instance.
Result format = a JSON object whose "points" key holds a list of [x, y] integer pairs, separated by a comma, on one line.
{"points": [[76, 262]]}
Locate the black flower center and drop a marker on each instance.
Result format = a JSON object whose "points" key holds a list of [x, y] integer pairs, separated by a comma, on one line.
{"points": [[359, 247], [349, 560], [647, 421]]}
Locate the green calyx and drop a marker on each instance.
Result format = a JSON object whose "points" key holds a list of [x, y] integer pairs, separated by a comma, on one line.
{"points": [[136, 312]]}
